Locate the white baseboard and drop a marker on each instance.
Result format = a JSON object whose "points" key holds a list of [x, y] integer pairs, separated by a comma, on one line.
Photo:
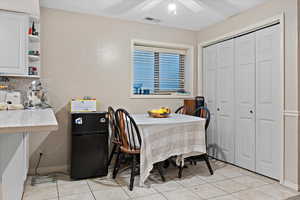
{"points": [[47, 170], [291, 185]]}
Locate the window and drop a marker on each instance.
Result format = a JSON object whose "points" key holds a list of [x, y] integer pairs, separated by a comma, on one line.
{"points": [[159, 70]]}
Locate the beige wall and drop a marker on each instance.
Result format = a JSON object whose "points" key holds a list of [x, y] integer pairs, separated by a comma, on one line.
{"points": [[90, 55], [253, 16]]}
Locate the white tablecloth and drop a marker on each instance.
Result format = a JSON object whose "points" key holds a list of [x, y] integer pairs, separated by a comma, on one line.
{"points": [[166, 137]]}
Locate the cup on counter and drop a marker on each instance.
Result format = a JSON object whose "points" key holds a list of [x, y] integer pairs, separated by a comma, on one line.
{"points": [[146, 91]]}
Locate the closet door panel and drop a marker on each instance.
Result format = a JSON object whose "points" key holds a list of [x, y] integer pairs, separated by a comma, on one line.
{"points": [[210, 64], [268, 101], [225, 96], [245, 101]]}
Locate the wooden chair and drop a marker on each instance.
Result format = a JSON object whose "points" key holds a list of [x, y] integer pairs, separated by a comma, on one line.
{"points": [[204, 113], [115, 141], [180, 110], [130, 143]]}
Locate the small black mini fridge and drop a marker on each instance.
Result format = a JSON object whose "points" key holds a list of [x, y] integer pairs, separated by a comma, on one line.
{"points": [[89, 152]]}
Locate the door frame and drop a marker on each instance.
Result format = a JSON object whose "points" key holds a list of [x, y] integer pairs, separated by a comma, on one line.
{"points": [[262, 24]]}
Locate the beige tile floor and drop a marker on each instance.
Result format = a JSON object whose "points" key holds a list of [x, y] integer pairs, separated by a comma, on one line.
{"points": [[228, 183]]}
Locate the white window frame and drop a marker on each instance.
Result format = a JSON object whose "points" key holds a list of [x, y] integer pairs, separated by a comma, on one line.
{"points": [[189, 69]]}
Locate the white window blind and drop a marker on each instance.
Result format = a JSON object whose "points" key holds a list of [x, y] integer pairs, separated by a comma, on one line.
{"points": [[158, 70]]}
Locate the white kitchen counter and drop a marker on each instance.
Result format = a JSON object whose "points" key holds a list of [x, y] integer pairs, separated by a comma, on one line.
{"points": [[14, 121], [15, 127]]}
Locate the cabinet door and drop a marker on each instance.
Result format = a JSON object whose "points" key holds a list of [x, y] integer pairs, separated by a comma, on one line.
{"points": [[225, 96], [268, 81], [13, 42], [89, 156], [12, 166], [210, 80], [245, 101], [26, 154]]}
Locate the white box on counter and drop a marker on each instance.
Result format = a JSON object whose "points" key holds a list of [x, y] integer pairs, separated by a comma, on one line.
{"points": [[83, 105]]}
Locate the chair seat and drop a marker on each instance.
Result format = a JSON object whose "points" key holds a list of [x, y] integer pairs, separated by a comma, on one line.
{"points": [[130, 151]]}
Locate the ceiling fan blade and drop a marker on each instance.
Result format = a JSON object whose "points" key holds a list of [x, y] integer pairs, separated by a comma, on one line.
{"points": [[150, 4], [124, 6], [220, 7], [192, 5]]}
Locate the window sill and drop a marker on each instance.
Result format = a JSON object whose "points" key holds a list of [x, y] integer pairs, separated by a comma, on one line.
{"points": [[172, 96]]}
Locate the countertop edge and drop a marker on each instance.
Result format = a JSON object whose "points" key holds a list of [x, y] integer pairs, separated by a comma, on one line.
{"points": [[42, 121], [29, 129]]}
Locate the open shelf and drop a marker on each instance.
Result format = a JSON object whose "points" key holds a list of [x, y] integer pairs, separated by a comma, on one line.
{"points": [[20, 75], [34, 38], [33, 58]]}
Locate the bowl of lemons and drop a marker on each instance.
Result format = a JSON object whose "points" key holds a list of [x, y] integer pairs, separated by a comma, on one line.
{"points": [[163, 112]]}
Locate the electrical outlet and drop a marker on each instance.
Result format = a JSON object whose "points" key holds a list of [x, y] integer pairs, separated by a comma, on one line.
{"points": [[40, 152]]}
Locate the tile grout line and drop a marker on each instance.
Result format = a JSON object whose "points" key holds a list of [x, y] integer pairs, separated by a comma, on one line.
{"points": [[91, 190], [125, 190], [118, 185], [189, 189], [231, 193], [162, 194], [176, 189], [226, 179], [122, 186], [57, 190], [212, 184]]}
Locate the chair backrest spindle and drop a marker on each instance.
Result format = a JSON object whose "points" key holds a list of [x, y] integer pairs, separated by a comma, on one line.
{"points": [[113, 125], [128, 129], [180, 110], [204, 113]]}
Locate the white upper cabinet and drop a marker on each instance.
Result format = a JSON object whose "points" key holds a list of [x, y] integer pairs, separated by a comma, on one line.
{"points": [[31, 7], [13, 43]]}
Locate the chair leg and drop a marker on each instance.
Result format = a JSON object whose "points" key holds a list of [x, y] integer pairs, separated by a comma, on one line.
{"points": [[133, 168], [117, 164], [180, 170], [160, 171], [111, 154], [205, 157]]}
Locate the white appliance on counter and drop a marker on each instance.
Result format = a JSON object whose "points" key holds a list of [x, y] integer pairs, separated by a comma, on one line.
{"points": [[11, 100], [13, 97]]}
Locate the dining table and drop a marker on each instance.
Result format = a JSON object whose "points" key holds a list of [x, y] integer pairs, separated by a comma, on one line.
{"points": [[177, 135]]}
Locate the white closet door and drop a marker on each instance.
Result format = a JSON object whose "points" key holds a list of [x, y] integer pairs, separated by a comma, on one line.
{"points": [[245, 101], [210, 63], [268, 101], [225, 96]]}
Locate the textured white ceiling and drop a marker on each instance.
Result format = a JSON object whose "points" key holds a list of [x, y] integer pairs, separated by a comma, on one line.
{"points": [[191, 14]]}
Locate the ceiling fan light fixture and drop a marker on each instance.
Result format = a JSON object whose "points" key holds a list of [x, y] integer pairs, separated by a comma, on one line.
{"points": [[172, 8]]}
